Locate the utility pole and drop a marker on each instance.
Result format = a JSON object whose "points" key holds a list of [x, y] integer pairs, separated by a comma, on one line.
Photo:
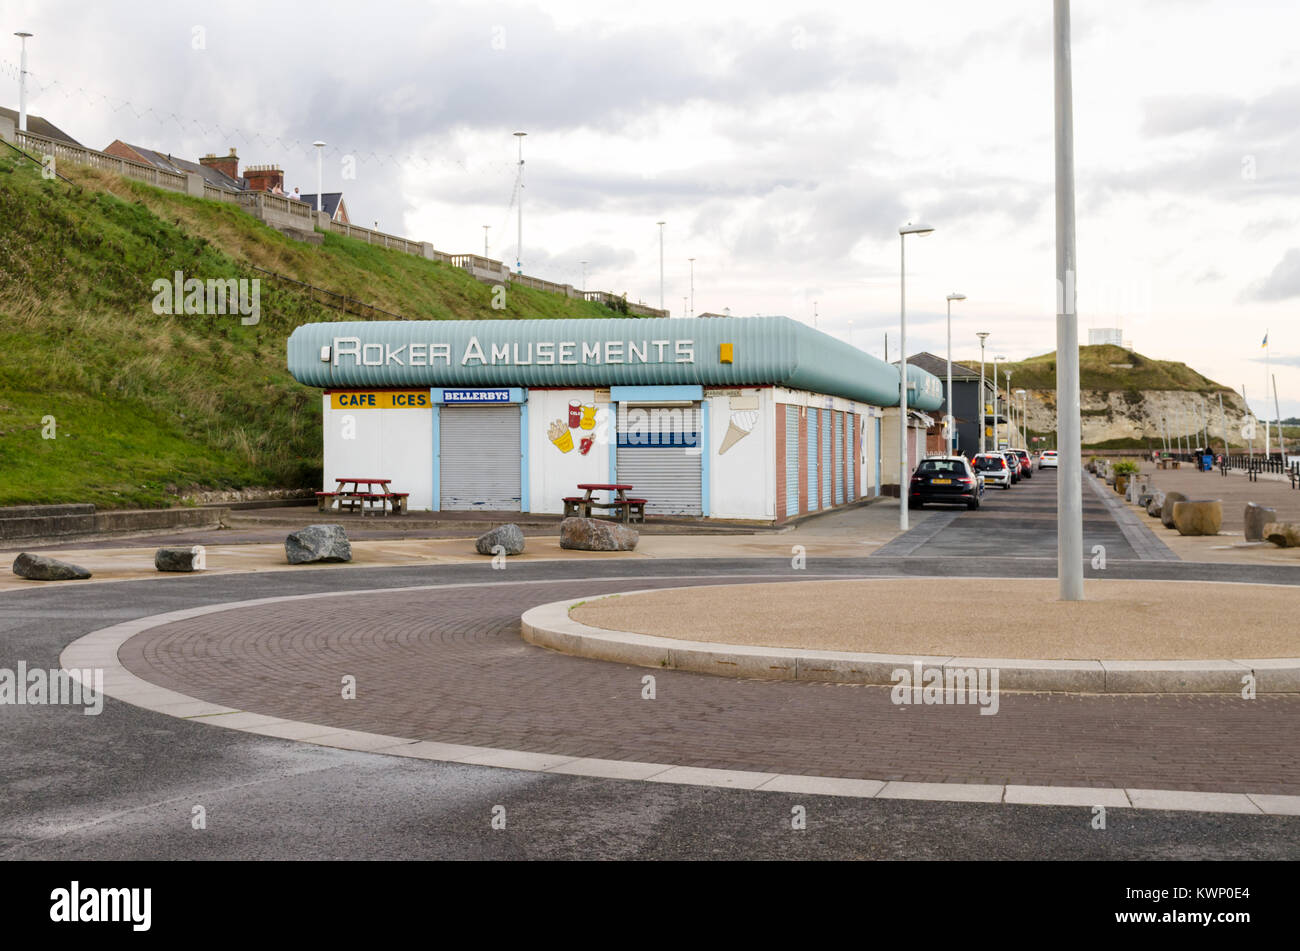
{"points": [[22, 82], [1277, 407], [1069, 487], [661, 264], [983, 335], [485, 240], [584, 276], [692, 260]]}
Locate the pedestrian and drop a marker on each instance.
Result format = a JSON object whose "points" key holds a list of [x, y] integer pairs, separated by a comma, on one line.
{"points": [[295, 196]]}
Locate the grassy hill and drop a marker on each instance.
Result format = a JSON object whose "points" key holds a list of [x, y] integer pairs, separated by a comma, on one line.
{"points": [[148, 407], [1107, 368]]}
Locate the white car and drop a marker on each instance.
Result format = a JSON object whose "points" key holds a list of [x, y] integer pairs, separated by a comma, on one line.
{"points": [[994, 468], [1048, 459]]}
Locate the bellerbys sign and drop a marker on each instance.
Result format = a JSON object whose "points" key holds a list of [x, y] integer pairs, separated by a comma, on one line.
{"points": [[539, 353]]}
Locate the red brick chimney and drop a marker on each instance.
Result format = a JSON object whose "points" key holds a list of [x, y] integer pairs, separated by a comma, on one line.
{"points": [[262, 178], [227, 164]]}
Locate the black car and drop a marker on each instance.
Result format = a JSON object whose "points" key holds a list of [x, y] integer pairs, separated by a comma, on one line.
{"points": [[946, 479]]}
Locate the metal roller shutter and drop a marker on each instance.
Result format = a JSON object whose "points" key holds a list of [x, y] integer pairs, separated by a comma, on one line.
{"points": [[659, 455], [479, 458], [839, 458], [811, 450], [825, 426], [850, 429], [792, 460]]}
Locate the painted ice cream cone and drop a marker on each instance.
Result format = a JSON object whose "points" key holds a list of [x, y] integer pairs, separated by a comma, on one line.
{"points": [[739, 426]]}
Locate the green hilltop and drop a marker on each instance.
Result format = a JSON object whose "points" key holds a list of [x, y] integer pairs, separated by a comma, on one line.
{"points": [[145, 408], [1106, 368]]}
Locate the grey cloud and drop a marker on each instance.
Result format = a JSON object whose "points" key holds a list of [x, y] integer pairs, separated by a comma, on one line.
{"points": [[1283, 283]]}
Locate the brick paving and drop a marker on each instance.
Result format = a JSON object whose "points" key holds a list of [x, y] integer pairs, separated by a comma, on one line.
{"points": [[449, 665]]}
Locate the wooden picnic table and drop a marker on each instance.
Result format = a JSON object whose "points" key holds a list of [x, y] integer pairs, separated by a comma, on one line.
{"points": [[355, 499], [626, 509]]}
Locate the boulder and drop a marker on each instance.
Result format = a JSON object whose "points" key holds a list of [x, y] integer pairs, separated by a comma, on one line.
{"points": [[40, 568], [509, 537], [1283, 534], [1157, 504], [181, 559], [1167, 510], [1257, 516], [594, 534], [1198, 516], [317, 543]]}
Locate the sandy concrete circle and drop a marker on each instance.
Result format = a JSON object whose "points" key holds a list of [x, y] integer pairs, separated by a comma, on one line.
{"points": [[1119, 620]]}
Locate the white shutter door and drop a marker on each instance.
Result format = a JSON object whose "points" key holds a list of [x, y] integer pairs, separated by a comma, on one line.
{"points": [[811, 450], [791, 460], [824, 425], [659, 455], [839, 457], [479, 458]]}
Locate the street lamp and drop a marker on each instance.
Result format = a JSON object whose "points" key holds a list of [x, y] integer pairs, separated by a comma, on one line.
{"points": [[1024, 436], [1011, 415], [983, 335], [903, 468], [22, 83], [320, 177], [485, 240], [519, 242], [692, 260], [661, 264], [996, 361], [584, 276], [952, 419]]}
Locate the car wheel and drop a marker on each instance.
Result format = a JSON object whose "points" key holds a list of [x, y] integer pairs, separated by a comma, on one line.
{"points": [[914, 505], [972, 505], [1005, 485]]}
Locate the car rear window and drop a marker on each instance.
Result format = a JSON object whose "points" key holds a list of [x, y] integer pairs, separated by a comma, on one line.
{"points": [[989, 462], [942, 467]]}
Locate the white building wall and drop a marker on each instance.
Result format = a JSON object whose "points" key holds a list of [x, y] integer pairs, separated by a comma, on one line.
{"points": [[742, 454], [553, 472], [392, 444]]}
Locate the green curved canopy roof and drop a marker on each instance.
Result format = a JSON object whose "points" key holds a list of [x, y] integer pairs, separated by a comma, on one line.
{"points": [[651, 351]]}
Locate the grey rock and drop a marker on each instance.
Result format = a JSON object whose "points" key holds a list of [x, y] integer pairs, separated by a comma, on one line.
{"points": [[594, 534], [1167, 510], [1198, 516], [40, 568], [1257, 516], [1157, 503], [179, 559], [509, 537], [317, 543]]}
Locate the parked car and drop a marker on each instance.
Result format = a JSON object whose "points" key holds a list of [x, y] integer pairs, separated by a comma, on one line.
{"points": [[946, 479], [1048, 459], [994, 468], [1026, 463], [1013, 461]]}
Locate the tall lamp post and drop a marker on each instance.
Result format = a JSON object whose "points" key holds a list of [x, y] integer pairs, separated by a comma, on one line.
{"points": [[22, 82], [903, 468], [661, 264], [692, 260], [485, 240], [952, 418], [584, 276], [519, 240], [1069, 487], [983, 335], [1011, 414], [996, 361], [1020, 418], [320, 177]]}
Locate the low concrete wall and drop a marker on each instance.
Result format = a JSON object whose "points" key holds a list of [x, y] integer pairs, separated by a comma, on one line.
{"points": [[38, 522]]}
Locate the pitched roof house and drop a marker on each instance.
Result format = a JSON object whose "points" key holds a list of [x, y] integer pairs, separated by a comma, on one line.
{"points": [[219, 172], [38, 126], [334, 205]]}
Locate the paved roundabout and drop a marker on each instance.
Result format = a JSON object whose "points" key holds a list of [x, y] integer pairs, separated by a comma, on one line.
{"points": [[446, 687]]}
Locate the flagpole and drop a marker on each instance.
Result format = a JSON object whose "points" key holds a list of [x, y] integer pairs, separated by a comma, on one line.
{"points": [[1268, 445]]}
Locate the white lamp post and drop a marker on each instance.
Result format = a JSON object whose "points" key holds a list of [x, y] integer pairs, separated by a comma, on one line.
{"points": [[22, 82], [584, 276], [519, 241], [904, 471], [1024, 435], [1069, 484], [983, 335], [320, 175], [996, 361], [661, 264], [952, 418], [692, 260], [485, 240], [1011, 415]]}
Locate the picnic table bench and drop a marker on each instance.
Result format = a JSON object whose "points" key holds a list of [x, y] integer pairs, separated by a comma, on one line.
{"points": [[358, 500], [624, 509]]}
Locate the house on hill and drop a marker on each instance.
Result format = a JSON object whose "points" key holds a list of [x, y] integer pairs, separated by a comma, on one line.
{"points": [[334, 206], [39, 126], [221, 172]]}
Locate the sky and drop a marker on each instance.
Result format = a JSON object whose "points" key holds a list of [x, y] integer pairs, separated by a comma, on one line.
{"points": [[781, 145]]}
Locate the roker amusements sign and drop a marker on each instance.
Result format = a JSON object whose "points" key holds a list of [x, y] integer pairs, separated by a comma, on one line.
{"points": [[528, 353]]}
